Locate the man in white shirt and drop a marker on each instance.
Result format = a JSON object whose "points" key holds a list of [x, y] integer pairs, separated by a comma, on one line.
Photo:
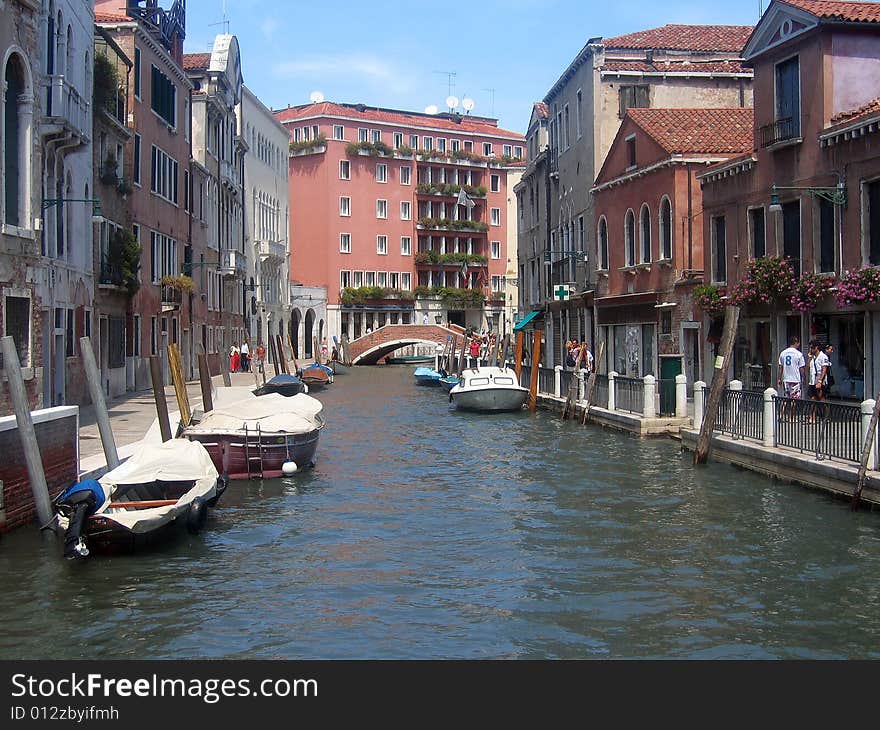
{"points": [[587, 358], [791, 368], [819, 363], [245, 357]]}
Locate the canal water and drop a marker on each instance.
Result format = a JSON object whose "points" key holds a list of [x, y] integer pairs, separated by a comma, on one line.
{"points": [[427, 533]]}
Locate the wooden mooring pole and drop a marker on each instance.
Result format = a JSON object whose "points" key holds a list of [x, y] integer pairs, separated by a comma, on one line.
{"points": [[26, 432], [159, 397], [536, 357], [205, 382], [518, 354], [179, 384], [591, 385], [719, 381], [93, 379], [224, 369]]}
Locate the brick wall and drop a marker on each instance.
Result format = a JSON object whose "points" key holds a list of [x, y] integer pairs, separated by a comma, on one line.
{"points": [[57, 436]]}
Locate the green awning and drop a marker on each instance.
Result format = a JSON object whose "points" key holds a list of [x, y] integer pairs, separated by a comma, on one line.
{"points": [[523, 323]]}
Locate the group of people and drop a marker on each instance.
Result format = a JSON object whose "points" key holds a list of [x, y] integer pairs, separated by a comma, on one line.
{"points": [[578, 354], [240, 357], [794, 369]]}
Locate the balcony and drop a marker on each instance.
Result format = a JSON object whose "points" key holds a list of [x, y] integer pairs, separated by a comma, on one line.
{"points": [[446, 224], [66, 111], [272, 251], [434, 259], [475, 192], [782, 130], [232, 263], [171, 298], [228, 175], [111, 276]]}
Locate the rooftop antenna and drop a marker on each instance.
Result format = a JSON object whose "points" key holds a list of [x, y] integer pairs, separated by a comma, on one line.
{"points": [[492, 101], [450, 79], [760, 8], [224, 22]]}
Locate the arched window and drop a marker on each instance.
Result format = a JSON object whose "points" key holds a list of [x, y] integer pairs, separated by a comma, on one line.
{"points": [[68, 67], [629, 234], [602, 238], [665, 228], [645, 233], [17, 119]]}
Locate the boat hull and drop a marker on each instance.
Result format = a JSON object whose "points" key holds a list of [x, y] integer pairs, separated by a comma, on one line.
{"points": [[230, 452], [427, 380], [410, 360], [490, 399]]}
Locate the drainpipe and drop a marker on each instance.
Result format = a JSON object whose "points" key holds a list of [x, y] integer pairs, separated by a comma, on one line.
{"points": [[691, 223], [549, 269]]}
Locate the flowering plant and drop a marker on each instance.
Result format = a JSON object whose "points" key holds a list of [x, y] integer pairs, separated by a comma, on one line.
{"points": [[763, 280], [809, 291], [858, 287], [708, 298]]}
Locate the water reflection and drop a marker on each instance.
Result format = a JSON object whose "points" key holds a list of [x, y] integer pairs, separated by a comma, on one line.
{"points": [[423, 532]]}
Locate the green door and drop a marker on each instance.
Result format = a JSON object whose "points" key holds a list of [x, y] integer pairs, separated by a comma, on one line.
{"points": [[669, 368]]}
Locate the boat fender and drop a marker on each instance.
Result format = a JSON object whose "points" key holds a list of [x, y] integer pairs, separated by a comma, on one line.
{"points": [[289, 468], [197, 516]]}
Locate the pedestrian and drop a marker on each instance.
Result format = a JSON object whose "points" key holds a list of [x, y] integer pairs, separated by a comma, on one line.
{"points": [[829, 377], [261, 356], [234, 358], [324, 350], [791, 369], [475, 350], [245, 357], [587, 361], [818, 370], [425, 318]]}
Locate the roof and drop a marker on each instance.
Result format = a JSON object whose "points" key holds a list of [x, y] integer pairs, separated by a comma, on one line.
{"points": [[460, 124], [685, 38], [678, 67], [196, 61], [102, 17], [872, 107], [847, 12], [542, 110], [525, 321], [684, 131]]}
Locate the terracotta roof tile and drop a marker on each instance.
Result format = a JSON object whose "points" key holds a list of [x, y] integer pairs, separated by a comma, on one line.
{"points": [[685, 38], [196, 61], [467, 125], [682, 67], [843, 11], [683, 131], [102, 17], [542, 109], [866, 110]]}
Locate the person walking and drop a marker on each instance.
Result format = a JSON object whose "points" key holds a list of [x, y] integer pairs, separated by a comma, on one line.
{"points": [[829, 378], [818, 372], [245, 357], [261, 356], [234, 358], [425, 318], [587, 361], [791, 371]]}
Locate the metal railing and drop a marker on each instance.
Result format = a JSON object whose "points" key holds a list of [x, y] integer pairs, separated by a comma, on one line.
{"points": [[778, 131], [111, 274], [600, 397], [526, 376], [65, 102], [629, 394], [565, 380], [546, 381], [741, 414], [829, 430]]}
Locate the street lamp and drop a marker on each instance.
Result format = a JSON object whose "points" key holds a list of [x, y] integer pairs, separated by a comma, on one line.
{"points": [[835, 195], [565, 253], [96, 205]]}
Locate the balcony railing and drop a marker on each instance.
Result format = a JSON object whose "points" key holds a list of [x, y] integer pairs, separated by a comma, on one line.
{"points": [[272, 249], [111, 274], [232, 263], [171, 297], [66, 103], [778, 131], [228, 173]]}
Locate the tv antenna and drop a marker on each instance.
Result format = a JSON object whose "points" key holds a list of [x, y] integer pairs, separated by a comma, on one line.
{"points": [[450, 79], [492, 101], [224, 22]]}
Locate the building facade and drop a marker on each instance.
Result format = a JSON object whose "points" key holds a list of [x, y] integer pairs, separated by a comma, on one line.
{"points": [[399, 215], [809, 189], [570, 132]]}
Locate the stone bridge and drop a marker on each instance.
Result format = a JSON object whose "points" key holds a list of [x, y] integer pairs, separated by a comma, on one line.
{"points": [[371, 348]]}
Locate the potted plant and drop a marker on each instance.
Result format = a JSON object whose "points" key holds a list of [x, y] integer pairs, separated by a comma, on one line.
{"points": [[858, 287], [709, 298], [764, 281], [181, 282], [809, 291]]}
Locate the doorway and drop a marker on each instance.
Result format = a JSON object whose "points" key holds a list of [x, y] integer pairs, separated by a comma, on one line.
{"points": [[691, 356]]}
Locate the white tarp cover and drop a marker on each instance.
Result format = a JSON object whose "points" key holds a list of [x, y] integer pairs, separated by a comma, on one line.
{"points": [[175, 460], [274, 413]]}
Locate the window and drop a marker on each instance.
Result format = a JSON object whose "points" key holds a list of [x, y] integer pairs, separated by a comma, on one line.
{"points": [[496, 283], [578, 109], [116, 342], [163, 259], [629, 237], [16, 154], [344, 170], [495, 183], [427, 143], [136, 335], [631, 151], [344, 206], [405, 281], [496, 249], [136, 165], [719, 250], [382, 278], [507, 150], [495, 216], [363, 135], [376, 135], [338, 131], [17, 324], [602, 238], [137, 72], [344, 279], [398, 140], [393, 279], [344, 243], [633, 97], [381, 172], [441, 144], [406, 175], [791, 233], [186, 191], [454, 145], [405, 245], [788, 106], [163, 99], [665, 229], [369, 278], [872, 216], [645, 233], [163, 179], [826, 235], [382, 245], [405, 210], [414, 141], [357, 279], [487, 149], [518, 152], [758, 232], [381, 208]]}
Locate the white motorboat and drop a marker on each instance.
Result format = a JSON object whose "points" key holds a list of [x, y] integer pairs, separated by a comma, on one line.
{"points": [[489, 389]]}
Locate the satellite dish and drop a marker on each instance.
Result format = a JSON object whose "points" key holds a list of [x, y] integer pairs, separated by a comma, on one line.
{"points": [[452, 101], [316, 97], [468, 104], [432, 109]]}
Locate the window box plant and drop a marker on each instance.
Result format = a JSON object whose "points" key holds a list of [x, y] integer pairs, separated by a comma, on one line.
{"points": [[858, 287]]}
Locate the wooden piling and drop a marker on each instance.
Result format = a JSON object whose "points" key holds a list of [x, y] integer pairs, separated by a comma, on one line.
{"points": [[224, 369], [866, 453], [159, 396], [536, 357], [719, 381], [205, 381], [505, 346], [591, 384], [316, 350], [93, 380], [461, 355], [26, 432], [179, 384], [518, 354]]}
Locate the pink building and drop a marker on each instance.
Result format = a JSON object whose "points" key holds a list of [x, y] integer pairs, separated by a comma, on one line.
{"points": [[375, 218]]}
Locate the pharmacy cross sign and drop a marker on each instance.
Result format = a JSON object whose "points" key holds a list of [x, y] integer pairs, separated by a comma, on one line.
{"points": [[562, 292]]}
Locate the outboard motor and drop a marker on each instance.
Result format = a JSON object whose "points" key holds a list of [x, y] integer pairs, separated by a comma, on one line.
{"points": [[77, 503]]}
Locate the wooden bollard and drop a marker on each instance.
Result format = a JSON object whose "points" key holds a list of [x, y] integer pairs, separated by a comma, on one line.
{"points": [[93, 379], [205, 382], [159, 397]]}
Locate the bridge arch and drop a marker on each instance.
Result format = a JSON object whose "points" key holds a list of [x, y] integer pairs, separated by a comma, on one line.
{"points": [[371, 348]]}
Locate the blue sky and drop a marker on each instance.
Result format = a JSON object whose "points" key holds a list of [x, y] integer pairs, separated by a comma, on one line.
{"points": [[389, 53]]}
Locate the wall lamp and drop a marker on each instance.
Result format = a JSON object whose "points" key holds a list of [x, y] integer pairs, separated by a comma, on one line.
{"points": [[548, 253], [835, 195], [96, 205]]}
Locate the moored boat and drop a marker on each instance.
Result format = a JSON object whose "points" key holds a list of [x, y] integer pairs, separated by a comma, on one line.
{"points": [[316, 376], [427, 376], [283, 384], [410, 360], [489, 389], [159, 487], [449, 381]]}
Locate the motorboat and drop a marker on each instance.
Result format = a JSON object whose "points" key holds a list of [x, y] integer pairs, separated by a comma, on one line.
{"points": [[158, 487], [489, 389], [316, 376], [427, 376], [264, 436], [449, 382], [283, 384], [410, 360]]}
